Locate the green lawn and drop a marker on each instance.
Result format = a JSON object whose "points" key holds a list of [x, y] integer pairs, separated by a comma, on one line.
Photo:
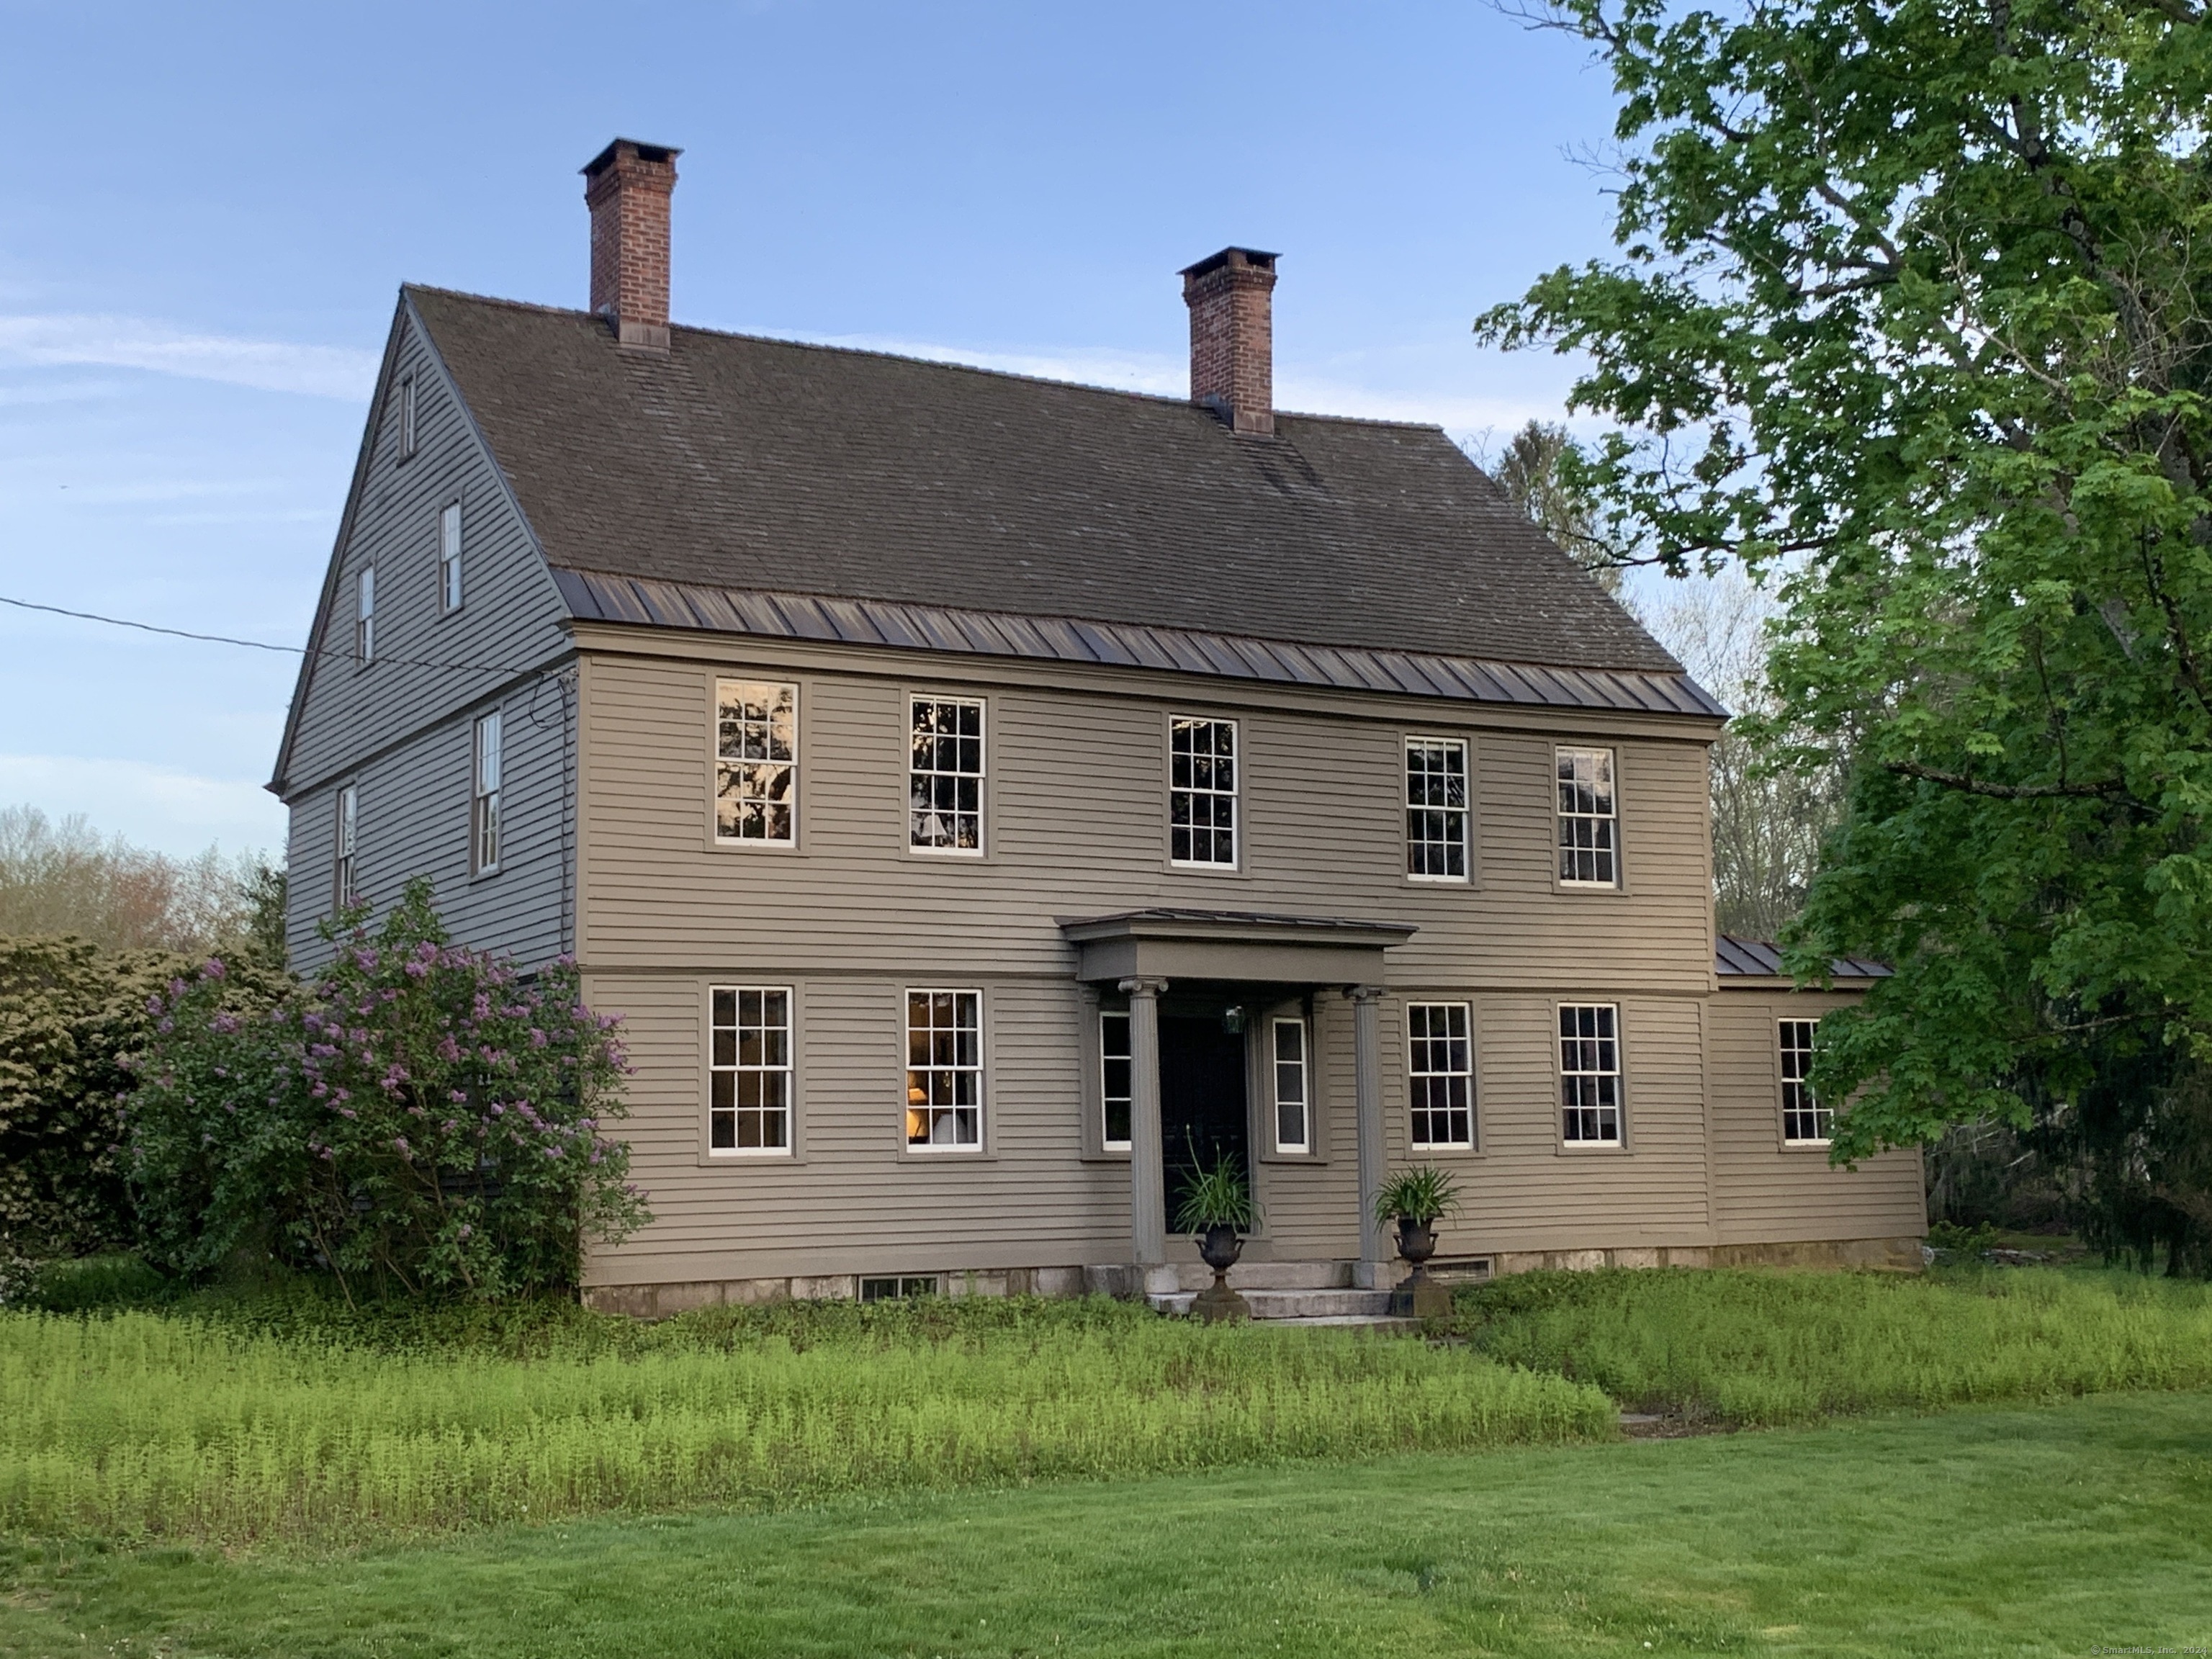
{"points": [[2052, 1530]]}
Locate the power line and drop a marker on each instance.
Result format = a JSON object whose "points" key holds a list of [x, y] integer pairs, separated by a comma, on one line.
{"points": [[263, 645]]}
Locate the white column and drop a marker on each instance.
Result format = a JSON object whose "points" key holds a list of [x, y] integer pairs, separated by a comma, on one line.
{"points": [[1374, 1271], [1148, 1199]]}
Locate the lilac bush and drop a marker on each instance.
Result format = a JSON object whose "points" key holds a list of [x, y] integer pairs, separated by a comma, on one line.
{"points": [[422, 1118]]}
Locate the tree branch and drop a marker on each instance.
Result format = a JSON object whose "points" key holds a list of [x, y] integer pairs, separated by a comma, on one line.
{"points": [[2112, 790]]}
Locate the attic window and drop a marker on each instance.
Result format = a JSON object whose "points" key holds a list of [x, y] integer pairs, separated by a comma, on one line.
{"points": [[364, 616], [406, 416]]}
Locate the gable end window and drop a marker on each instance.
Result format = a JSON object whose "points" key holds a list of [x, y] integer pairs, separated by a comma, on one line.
{"points": [[1203, 791], [755, 763], [944, 774], [1440, 1068], [406, 416], [1293, 1120], [364, 615], [943, 1070], [1589, 823], [1436, 809], [1589, 1072], [1804, 1119], [1114, 1080], [483, 807], [346, 888], [449, 557], [749, 1070]]}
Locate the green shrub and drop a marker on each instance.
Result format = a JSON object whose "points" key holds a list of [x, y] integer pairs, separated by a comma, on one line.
{"points": [[86, 1283], [1757, 1348]]}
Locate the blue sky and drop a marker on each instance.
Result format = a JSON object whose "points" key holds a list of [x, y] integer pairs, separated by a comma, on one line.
{"points": [[210, 209]]}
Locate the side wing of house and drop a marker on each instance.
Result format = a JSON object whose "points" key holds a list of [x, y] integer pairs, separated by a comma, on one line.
{"points": [[431, 733]]}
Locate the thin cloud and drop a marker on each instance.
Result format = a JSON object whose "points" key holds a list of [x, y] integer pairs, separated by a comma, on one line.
{"points": [[314, 371]]}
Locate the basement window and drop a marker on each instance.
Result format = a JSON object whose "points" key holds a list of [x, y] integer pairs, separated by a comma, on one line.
{"points": [[888, 1288]]}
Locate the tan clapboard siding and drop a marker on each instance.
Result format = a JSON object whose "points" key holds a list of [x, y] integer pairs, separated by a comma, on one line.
{"points": [[399, 729], [1766, 1192]]}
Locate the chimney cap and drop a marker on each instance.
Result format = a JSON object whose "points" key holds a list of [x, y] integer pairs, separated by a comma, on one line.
{"points": [[1229, 255], [606, 157]]}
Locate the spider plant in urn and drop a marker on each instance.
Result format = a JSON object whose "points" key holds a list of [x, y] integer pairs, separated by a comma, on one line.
{"points": [[1418, 1199], [1216, 1208]]}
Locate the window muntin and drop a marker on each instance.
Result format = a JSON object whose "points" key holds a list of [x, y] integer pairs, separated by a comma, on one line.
{"points": [[1436, 809], [1590, 821], [943, 1070], [1440, 1069], [749, 1070], [346, 888], [891, 1288], [406, 416], [1589, 1072], [364, 615], [485, 825], [1804, 1119], [1286, 1040], [944, 774], [1203, 791], [449, 556], [1115, 1081], [756, 762]]}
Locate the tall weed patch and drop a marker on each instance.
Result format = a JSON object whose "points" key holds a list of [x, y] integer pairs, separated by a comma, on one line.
{"points": [[147, 1425], [1760, 1348]]}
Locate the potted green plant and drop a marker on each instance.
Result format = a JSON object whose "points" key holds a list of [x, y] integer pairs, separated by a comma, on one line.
{"points": [[1218, 1209], [1418, 1199]]}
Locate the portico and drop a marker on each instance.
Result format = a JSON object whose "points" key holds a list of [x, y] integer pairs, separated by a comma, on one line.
{"points": [[1143, 955]]}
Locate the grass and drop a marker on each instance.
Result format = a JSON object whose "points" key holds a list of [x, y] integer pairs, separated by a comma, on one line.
{"points": [[257, 1426], [1765, 1349], [2038, 1531]]}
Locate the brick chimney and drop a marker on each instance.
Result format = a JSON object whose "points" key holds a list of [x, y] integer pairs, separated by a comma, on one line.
{"points": [[1232, 337], [626, 187]]}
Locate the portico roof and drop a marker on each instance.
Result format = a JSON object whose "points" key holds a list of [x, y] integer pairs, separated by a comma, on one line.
{"points": [[1243, 946]]}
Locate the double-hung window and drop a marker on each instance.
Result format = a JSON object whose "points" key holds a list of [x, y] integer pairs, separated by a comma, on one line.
{"points": [[346, 888], [483, 807], [1440, 1068], [755, 763], [1114, 1080], [1293, 1078], [449, 557], [1203, 791], [1804, 1119], [944, 774], [364, 615], [1590, 823], [749, 1070], [943, 1070], [1436, 809], [1589, 1072]]}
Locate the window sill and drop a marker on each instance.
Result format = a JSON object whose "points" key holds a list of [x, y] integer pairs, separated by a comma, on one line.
{"points": [[1107, 1156], [749, 1161], [1592, 1148], [780, 848], [1295, 1160]]}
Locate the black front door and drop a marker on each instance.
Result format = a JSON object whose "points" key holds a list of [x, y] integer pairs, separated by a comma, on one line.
{"points": [[1202, 1116]]}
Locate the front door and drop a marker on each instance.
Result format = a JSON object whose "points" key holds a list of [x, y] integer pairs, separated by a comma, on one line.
{"points": [[1202, 1111]]}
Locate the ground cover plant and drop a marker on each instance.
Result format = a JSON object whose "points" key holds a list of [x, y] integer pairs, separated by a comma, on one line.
{"points": [[2040, 1531], [147, 1425], [1761, 1348]]}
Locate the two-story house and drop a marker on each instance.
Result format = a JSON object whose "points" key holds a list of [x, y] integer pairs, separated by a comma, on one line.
{"points": [[983, 798]]}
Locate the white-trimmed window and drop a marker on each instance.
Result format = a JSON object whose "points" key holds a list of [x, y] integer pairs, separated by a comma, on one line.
{"points": [[1286, 1040], [1440, 1069], [1589, 823], [1436, 809], [1589, 1072], [1114, 1081], [364, 615], [943, 1069], [1203, 791], [944, 774], [346, 887], [1804, 1119], [449, 556], [749, 1070], [756, 762], [406, 415], [483, 806]]}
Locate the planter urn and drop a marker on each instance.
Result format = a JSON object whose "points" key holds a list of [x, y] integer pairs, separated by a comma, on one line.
{"points": [[1220, 1247], [1419, 1296]]}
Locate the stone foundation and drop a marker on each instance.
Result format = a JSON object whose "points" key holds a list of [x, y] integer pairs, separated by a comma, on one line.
{"points": [[660, 1301]]}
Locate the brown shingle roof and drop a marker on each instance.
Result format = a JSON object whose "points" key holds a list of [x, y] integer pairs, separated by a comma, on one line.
{"points": [[744, 464]]}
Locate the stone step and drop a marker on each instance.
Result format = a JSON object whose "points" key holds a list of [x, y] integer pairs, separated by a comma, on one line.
{"points": [[1270, 1276], [1306, 1304]]}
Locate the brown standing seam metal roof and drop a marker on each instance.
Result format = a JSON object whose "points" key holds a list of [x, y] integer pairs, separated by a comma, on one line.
{"points": [[762, 486], [1759, 960]]}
